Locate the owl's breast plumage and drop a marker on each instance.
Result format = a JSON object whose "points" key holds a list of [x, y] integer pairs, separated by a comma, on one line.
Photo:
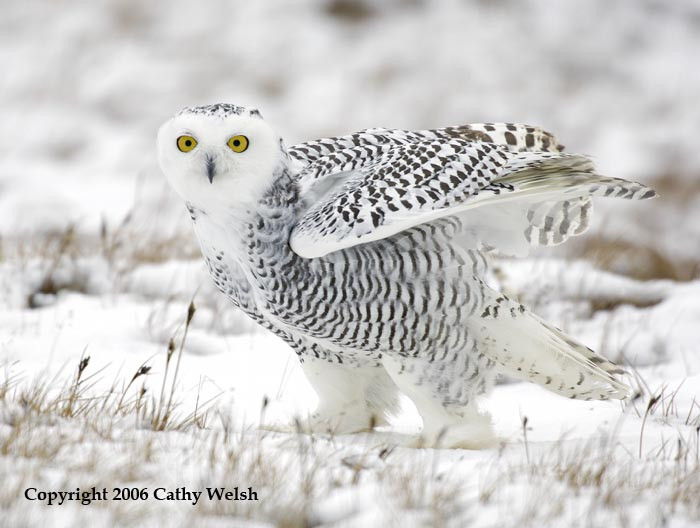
{"points": [[399, 296]]}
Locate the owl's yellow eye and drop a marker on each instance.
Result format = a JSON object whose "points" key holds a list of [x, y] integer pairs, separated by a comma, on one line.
{"points": [[238, 143], [186, 143]]}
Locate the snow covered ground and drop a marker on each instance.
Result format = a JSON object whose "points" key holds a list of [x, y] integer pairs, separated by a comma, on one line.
{"points": [[97, 260]]}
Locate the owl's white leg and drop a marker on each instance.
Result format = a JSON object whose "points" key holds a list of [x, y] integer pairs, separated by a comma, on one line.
{"points": [[350, 399], [446, 423]]}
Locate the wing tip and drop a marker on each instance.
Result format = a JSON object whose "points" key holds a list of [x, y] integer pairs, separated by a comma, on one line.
{"points": [[648, 194]]}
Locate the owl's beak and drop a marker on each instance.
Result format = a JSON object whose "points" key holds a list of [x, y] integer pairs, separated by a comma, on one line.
{"points": [[211, 167]]}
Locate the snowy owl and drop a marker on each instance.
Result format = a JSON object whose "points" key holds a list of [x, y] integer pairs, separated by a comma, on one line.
{"points": [[368, 254]]}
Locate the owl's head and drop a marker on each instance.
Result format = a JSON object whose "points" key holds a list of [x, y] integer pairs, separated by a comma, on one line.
{"points": [[219, 155]]}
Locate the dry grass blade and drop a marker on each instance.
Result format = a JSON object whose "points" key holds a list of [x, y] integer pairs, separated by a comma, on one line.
{"points": [[163, 415]]}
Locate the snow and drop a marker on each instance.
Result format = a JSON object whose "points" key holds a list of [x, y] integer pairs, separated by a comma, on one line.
{"points": [[120, 332], [84, 89]]}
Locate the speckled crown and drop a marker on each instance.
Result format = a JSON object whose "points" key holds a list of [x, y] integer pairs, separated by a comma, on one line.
{"points": [[221, 110]]}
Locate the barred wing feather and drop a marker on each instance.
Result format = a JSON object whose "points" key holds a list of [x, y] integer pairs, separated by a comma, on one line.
{"points": [[512, 197]]}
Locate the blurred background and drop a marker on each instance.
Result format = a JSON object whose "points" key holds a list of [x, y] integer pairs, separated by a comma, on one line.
{"points": [[86, 83]]}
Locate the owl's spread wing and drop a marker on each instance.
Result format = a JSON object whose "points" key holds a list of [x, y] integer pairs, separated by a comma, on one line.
{"points": [[402, 187], [375, 184], [515, 137]]}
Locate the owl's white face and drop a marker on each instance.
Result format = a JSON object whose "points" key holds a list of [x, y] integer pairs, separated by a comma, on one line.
{"points": [[218, 156]]}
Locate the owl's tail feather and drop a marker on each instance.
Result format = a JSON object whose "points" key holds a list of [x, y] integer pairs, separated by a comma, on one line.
{"points": [[531, 349]]}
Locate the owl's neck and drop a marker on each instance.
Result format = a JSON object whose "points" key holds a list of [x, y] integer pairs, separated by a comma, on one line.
{"points": [[266, 222]]}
